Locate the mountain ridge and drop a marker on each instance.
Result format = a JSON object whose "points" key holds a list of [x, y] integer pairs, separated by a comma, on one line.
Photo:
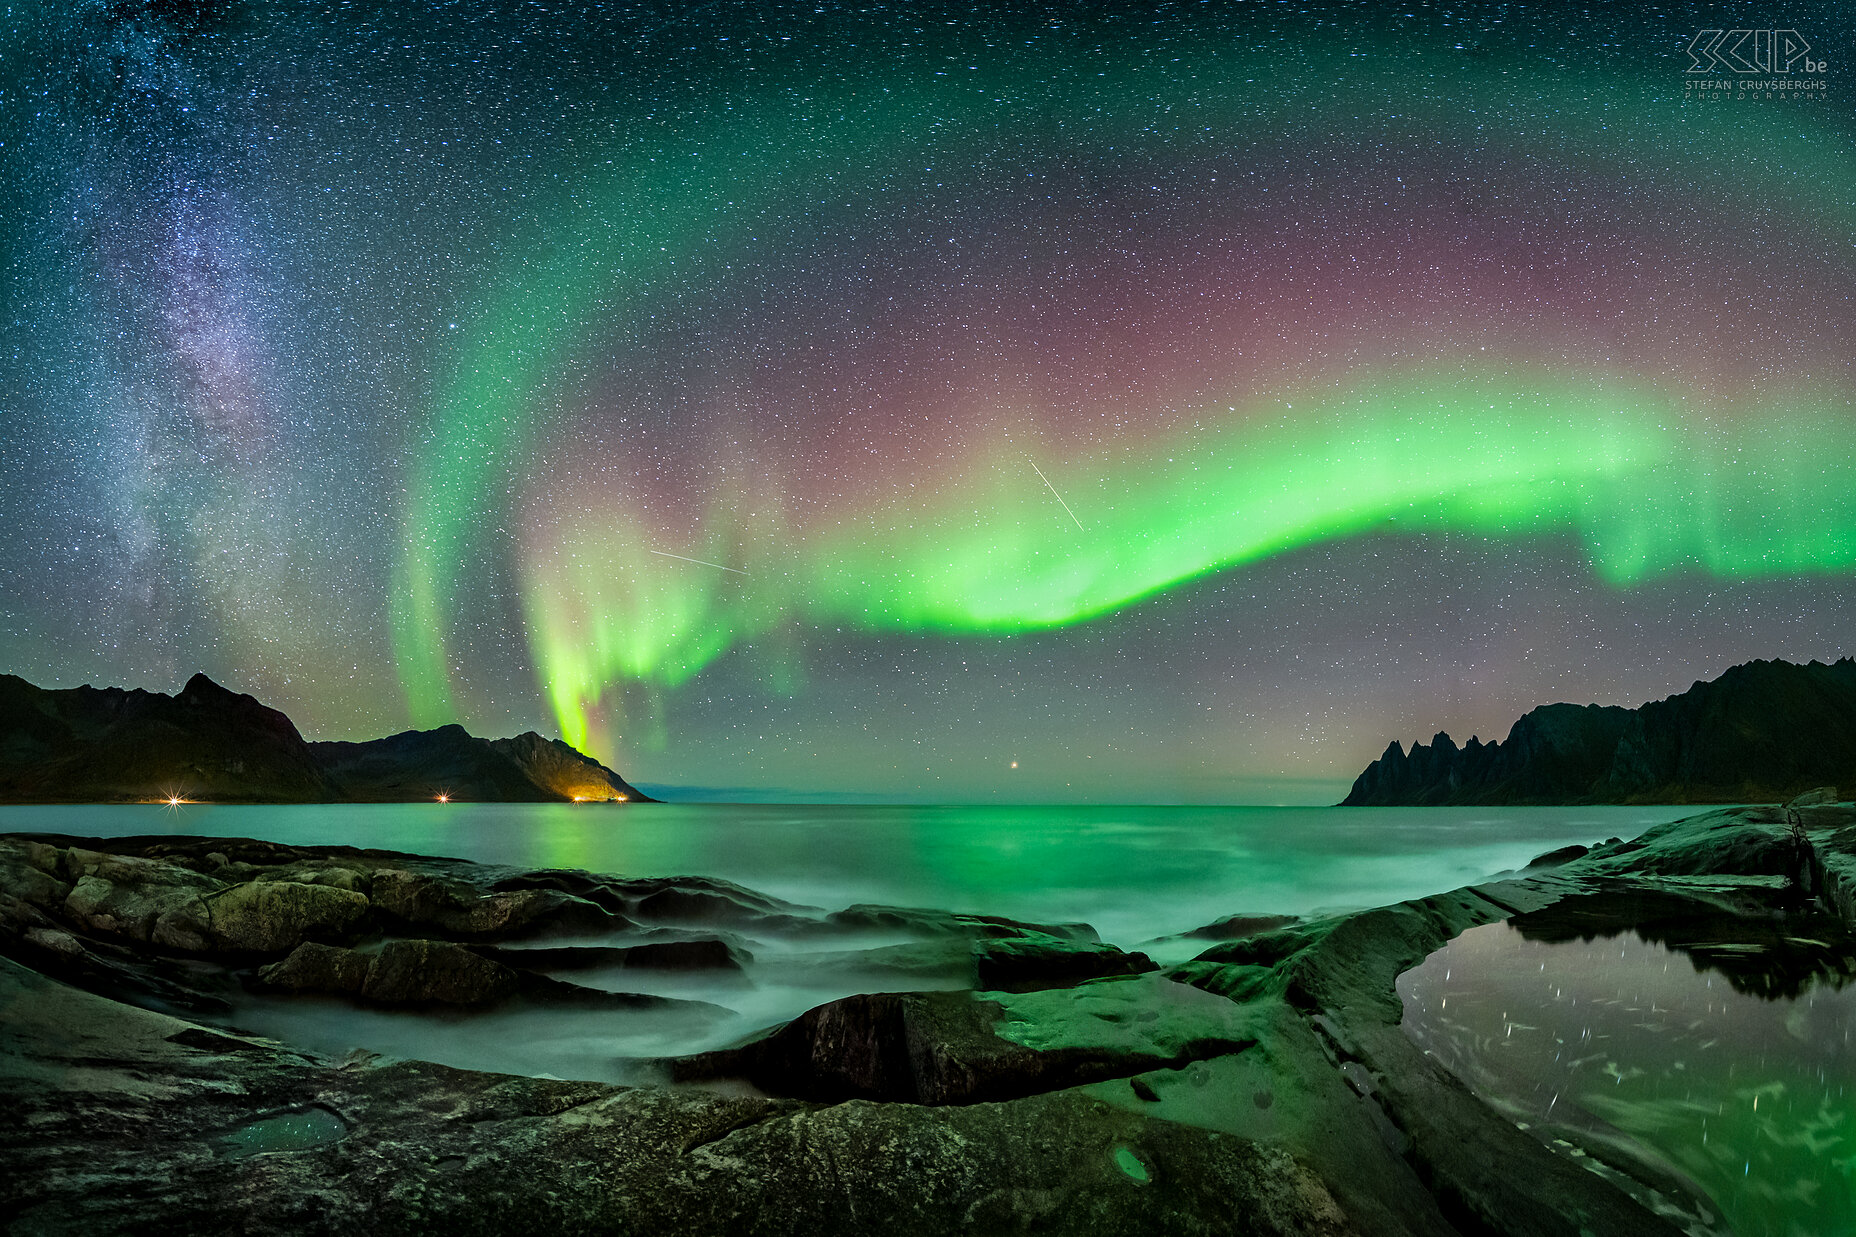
{"points": [[207, 743], [1762, 731]]}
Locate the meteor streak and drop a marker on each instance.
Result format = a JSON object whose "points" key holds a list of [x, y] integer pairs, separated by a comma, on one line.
{"points": [[717, 566], [1054, 494]]}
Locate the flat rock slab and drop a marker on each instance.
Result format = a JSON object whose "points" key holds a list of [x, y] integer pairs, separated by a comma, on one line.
{"points": [[965, 1048]]}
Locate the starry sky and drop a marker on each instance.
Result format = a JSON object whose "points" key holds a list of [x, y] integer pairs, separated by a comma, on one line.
{"points": [[1161, 403]]}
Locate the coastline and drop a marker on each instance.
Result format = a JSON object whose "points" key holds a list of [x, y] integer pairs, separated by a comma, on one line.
{"points": [[1104, 1093]]}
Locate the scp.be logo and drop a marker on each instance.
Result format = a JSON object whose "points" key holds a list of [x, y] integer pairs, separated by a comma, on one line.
{"points": [[1751, 51]]}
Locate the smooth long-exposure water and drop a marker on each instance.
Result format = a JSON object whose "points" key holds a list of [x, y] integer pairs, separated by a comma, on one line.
{"points": [[1135, 873]]}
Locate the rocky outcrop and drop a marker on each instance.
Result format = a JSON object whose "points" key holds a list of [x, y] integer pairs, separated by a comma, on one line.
{"points": [[401, 973], [422, 901], [1762, 732], [108, 745], [1034, 960], [943, 1048], [267, 916]]}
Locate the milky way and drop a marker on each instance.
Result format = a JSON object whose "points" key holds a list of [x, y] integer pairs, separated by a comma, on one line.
{"points": [[829, 401]]}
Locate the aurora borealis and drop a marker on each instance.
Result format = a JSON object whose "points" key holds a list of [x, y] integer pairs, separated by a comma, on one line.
{"points": [[1177, 402]]}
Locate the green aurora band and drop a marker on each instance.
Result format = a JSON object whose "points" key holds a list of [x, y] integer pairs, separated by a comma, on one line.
{"points": [[1509, 454], [1496, 447]]}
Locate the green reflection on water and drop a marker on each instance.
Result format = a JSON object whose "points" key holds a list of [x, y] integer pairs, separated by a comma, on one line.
{"points": [[1134, 872], [1749, 1098]]}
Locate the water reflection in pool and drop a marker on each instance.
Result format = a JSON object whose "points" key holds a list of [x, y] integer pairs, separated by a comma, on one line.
{"points": [[1630, 1051]]}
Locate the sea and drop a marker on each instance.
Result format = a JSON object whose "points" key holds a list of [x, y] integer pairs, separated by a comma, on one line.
{"points": [[1134, 873], [1141, 876], [1745, 1099]]}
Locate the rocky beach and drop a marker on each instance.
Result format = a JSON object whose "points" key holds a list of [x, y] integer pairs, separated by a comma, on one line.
{"points": [[1061, 1085]]}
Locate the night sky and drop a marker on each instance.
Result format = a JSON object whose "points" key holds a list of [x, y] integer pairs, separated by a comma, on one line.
{"points": [[822, 401]]}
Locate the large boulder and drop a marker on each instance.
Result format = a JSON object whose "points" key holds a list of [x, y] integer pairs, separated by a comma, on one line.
{"points": [[926, 921], [456, 909], [29, 874], [401, 973], [272, 916], [1032, 961], [436, 972], [138, 899], [703, 954], [317, 968], [953, 1047], [695, 954]]}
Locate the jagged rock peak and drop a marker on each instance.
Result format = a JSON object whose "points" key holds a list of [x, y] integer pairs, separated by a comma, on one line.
{"points": [[1761, 732]]}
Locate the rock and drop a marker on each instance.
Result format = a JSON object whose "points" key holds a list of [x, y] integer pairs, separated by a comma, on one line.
{"points": [[438, 973], [29, 881], [563, 958], [457, 909], [697, 955], [435, 972], [701, 954], [681, 905], [452, 907], [1023, 963], [1821, 797], [1554, 858], [935, 963], [945, 1048], [138, 899], [585, 885], [272, 916], [1749, 841], [313, 967], [1236, 927], [339, 878], [926, 921], [414, 898]]}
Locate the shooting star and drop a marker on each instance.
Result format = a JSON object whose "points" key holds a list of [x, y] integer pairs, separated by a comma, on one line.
{"points": [[701, 563], [1054, 494]]}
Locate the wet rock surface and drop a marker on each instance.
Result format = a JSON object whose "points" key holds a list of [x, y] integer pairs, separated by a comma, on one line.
{"points": [[1035, 960], [954, 1048], [1264, 1087]]}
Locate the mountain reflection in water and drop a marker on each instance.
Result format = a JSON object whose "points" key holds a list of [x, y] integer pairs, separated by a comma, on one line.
{"points": [[1711, 1051]]}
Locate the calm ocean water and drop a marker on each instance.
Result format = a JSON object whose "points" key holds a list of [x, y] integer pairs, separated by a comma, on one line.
{"points": [[1135, 873]]}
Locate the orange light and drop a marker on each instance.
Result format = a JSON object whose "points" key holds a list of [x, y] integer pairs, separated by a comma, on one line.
{"points": [[444, 798], [621, 798], [579, 798], [173, 800]]}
